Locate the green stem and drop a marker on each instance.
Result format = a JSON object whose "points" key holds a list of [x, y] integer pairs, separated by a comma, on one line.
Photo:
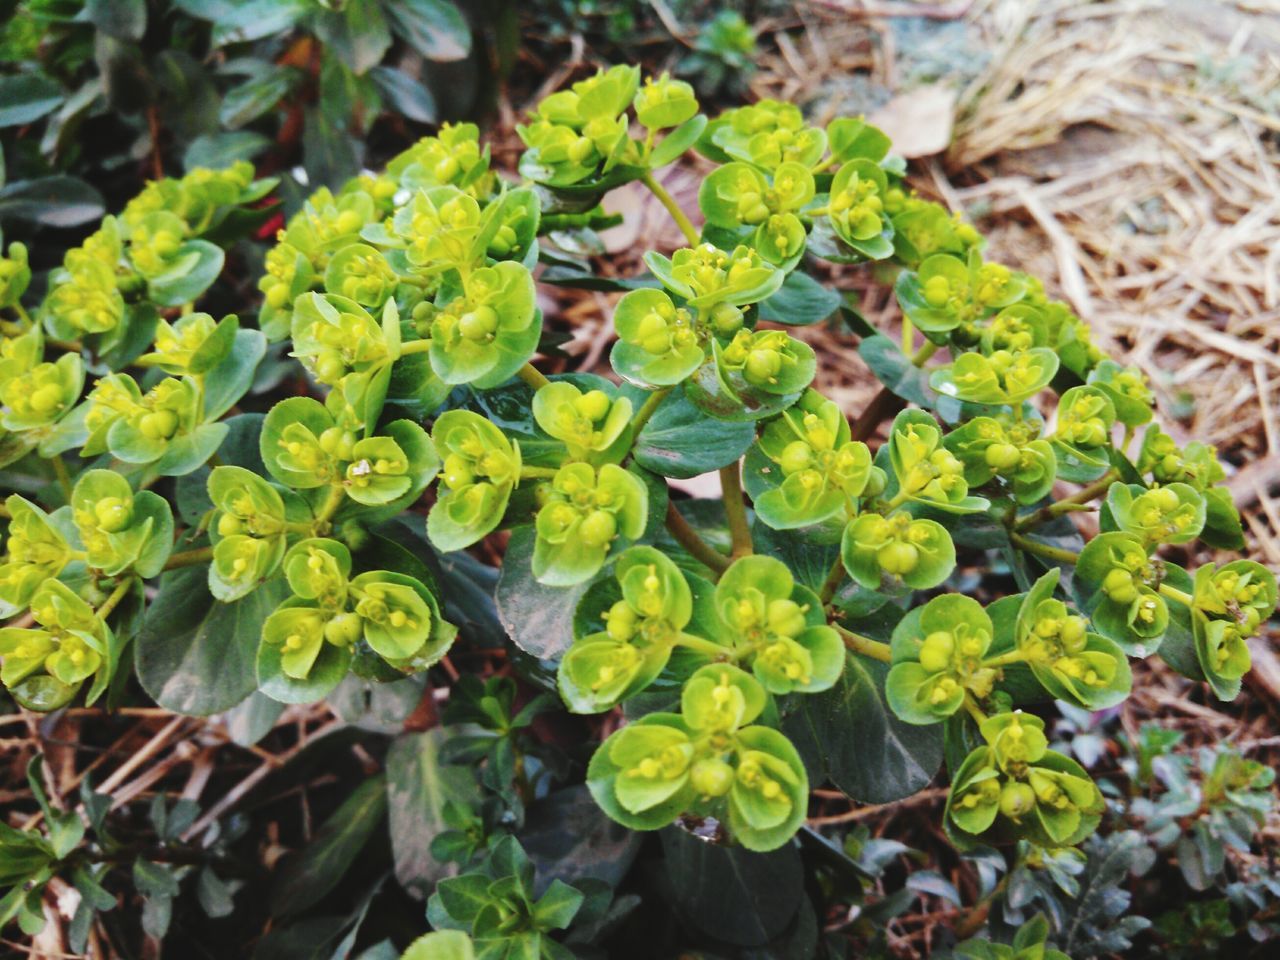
{"points": [[414, 346], [673, 208], [735, 510], [709, 647], [647, 409], [1005, 659], [1043, 549], [908, 335], [1173, 593], [537, 473], [189, 558], [1071, 503], [688, 538], [60, 471], [975, 711], [532, 376], [118, 594], [864, 645], [833, 581], [336, 496]]}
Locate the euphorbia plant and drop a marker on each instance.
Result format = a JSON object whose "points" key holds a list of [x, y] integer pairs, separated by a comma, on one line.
{"points": [[805, 627]]}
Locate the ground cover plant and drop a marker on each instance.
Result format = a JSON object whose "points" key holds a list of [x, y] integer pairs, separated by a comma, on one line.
{"points": [[200, 522]]}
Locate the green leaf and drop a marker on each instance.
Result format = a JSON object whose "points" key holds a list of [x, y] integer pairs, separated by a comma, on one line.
{"points": [[306, 878], [538, 618], [895, 370], [195, 655], [122, 19], [848, 735], [232, 377], [26, 97], [418, 786], [435, 28], [801, 301], [218, 150], [247, 102], [732, 894], [56, 201], [197, 266], [680, 441], [677, 141], [407, 95]]}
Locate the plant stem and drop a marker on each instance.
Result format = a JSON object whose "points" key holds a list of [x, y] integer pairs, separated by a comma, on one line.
{"points": [[1043, 549], [688, 538], [1013, 656], [331, 505], [414, 346], [697, 644], [886, 401], [833, 581], [1073, 502], [189, 558], [735, 510], [647, 409], [975, 711], [532, 376], [864, 645], [673, 208], [118, 594], [908, 335], [1173, 593], [537, 473], [60, 471]]}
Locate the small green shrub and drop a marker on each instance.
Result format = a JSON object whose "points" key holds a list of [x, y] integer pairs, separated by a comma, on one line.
{"points": [[822, 636]]}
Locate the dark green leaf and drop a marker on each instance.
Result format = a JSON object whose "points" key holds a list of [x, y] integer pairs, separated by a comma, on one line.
{"points": [[307, 877], [409, 96], [56, 201], [254, 97], [680, 441], [435, 28], [27, 97], [800, 301], [537, 617], [196, 655], [122, 19]]}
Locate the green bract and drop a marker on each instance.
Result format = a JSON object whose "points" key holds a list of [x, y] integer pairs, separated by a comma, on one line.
{"points": [[481, 467], [925, 470], [588, 423], [856, 209], [823, 472], [249, 529], [946, 291], [1003, 378], [705, 760], [1169, 514], [1015, 787], [916, 552], [938, 656], [776, 628], [35, 550], [641, 629], [120, 529], [1119, 583], [483, 331], [44, 666], [586, 510]]}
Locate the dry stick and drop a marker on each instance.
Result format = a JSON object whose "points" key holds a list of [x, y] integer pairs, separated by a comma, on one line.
{"points": [[861, 813], [688, 538]]}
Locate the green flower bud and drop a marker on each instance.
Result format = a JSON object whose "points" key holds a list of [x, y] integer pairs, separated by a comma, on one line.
{"points": [[711, 777], [1017, 800]]}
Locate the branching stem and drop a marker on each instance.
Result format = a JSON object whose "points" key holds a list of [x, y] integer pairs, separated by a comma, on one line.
{"points": [[1073, 502], [673, 208], [688, 538], [189, 558]]}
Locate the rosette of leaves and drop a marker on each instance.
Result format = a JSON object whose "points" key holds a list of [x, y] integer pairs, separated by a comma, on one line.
{"points": [[44, 666], [481, 467], [590, 424], [776, 627], [706, 277], [1127, 389], [1169, 514], [1120, 586], [305, 447], [938, 656], [659, 344], [586, 510], [763, 211], [1229, 604], [917, 552], [924, 470], [946, 291], [1014, 787], [1001, 379], [706, 760], [580, 134], [768, 361], [1082, 438], [823, 471], [1005, 447], [35, 550], [922, 228], [641, 628], [1071, 662], [362, 274], [1196, 465], [250, 527], [121, 530], [438, 229]]}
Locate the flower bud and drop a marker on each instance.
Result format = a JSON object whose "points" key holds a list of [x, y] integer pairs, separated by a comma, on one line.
{"points": [[1017, 800], [898, 558], [711, 777]]}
